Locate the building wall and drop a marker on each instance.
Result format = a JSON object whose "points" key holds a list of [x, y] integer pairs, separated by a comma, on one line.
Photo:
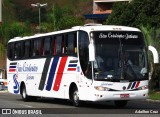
{"points": [[3, 62], [104, 6]]}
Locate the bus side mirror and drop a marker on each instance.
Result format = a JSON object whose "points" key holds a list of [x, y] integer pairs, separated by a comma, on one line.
{"points": [[155, 54], [91, 52]]}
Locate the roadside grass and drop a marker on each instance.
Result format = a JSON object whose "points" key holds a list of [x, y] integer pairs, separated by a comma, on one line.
{"points": [[154, 95]]}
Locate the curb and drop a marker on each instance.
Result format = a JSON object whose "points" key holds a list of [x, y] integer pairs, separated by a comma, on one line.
{"points": [[153, 101], [3, 91]]}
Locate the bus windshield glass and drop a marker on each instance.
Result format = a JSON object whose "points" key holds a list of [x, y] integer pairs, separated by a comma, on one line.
{"points": [[120, 55]]}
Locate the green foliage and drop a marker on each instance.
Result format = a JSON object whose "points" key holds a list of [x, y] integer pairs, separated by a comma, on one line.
{"points": [[2, 50], [144, 14], [8, 11], [8, 31], [69, 21], [154, 95], [136, 13], [62, 18], [152, 36], [155, 80], [55, 16]]}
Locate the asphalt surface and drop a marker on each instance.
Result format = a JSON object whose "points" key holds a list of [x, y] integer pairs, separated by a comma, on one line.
{"points": [[49, 106]]}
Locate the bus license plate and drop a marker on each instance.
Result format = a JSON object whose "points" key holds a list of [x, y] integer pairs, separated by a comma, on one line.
{"points": [[124, 95]]}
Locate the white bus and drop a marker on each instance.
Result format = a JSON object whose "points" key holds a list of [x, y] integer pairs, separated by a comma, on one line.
{"points": [[84, 63]]}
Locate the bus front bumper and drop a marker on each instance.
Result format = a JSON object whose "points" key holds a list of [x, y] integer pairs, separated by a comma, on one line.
{"points": [[120, 95]]}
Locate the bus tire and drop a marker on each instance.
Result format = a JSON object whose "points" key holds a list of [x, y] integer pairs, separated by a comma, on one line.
{"points": [[25, 97], [75, 97], [121, 103]]}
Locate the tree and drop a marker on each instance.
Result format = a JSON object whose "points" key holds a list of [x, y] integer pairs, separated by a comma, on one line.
{"points": [[152, 36], [62, 18], [144, 14], [9, 31], [136, 13]]}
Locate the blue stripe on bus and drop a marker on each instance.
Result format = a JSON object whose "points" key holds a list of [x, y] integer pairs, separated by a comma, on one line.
{"points": [[52, 73], [72, 65], [12, 67], [133, 85]]}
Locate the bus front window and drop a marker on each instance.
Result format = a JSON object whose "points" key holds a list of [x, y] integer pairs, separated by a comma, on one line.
{"points": [[119, 57]]}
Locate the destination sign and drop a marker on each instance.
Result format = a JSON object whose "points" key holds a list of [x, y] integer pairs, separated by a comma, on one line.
{"points": [[116, 35], [113, 37]]}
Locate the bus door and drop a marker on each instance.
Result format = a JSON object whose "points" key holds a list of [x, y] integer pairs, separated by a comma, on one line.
{"points": [[86, 83]]}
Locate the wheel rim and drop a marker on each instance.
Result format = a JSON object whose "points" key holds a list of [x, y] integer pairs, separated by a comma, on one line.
{"points": [[76, 97]]}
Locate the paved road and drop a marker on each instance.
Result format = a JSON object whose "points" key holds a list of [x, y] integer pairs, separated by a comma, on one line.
{"points": [[55, 106]]}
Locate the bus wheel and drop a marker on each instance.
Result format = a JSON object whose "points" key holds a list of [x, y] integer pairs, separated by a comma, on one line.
{"points": [[25, 97], [121, 103], [75, 97]]}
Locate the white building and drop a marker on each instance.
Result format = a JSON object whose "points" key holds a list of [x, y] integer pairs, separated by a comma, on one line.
{"points": [[102, 9]]}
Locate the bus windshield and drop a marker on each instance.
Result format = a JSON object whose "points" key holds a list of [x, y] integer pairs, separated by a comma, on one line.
{"points": [[120, 55]]}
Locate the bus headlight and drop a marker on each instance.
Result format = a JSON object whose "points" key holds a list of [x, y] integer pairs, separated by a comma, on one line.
{"points": [[143, 87], [100, 88]]}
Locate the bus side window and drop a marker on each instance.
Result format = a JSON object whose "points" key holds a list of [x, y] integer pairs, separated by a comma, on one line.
{"points": [[16, 50], [84, 52], [11, 50], [53, 46], [58, 45], [47, 46], [36, 46], [27, 49], [71, 46], [19, 50], [41, 47], [63, 45]]}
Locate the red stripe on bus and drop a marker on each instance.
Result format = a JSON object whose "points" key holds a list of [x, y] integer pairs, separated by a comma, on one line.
{"points": [[12, 70], [137, 84], [60, 73], [71, 69]]}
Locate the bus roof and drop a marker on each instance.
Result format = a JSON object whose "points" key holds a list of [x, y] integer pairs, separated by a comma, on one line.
{"points": [[87, 28]]}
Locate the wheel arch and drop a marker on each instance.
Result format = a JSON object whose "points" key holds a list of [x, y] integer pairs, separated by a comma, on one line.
{"points": [[72, 85]]}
